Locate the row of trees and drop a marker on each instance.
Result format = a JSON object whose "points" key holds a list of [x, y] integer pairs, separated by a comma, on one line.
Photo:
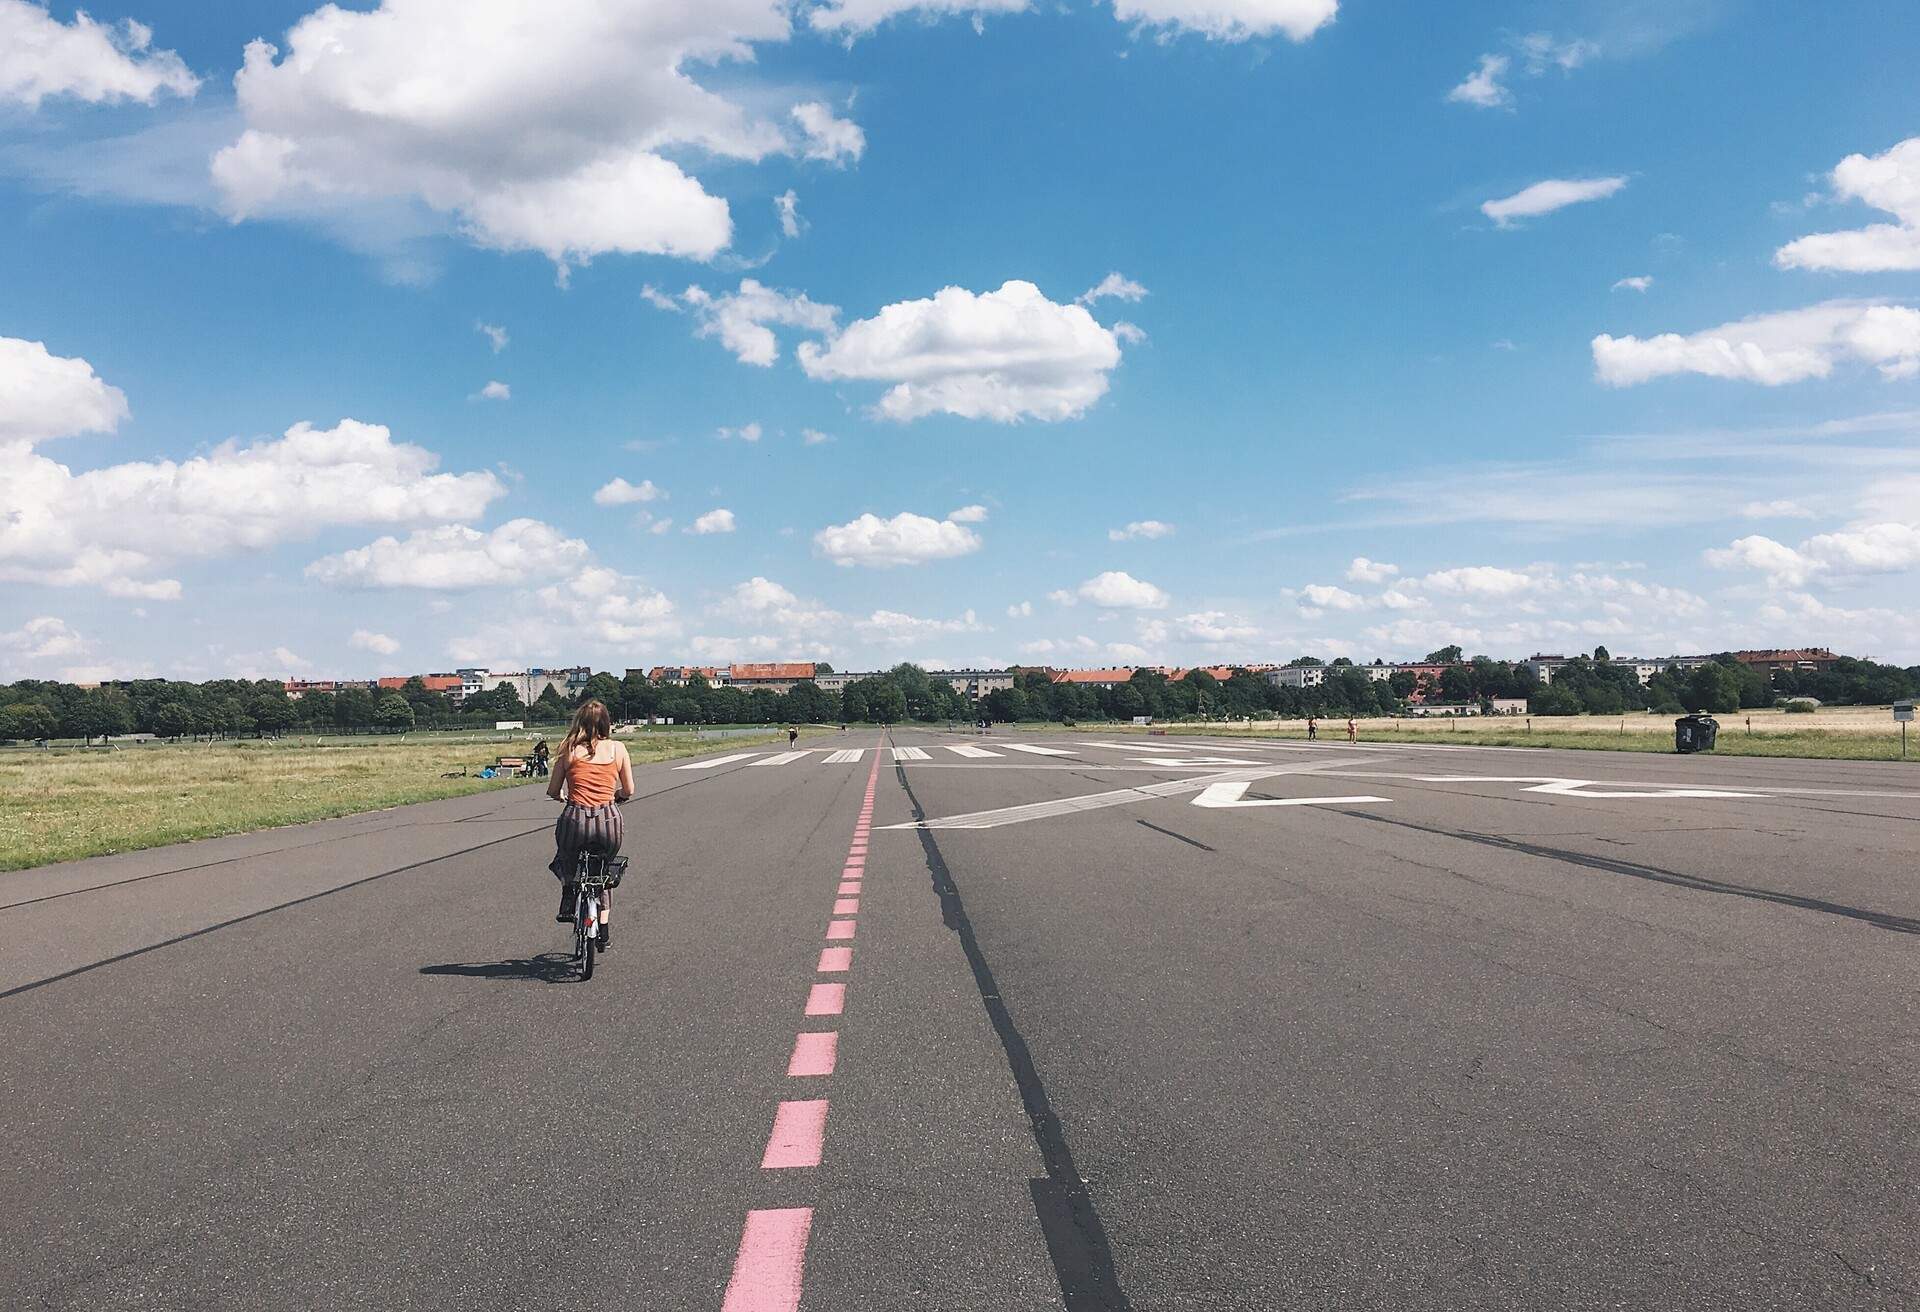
{"points": [[32, 709]]}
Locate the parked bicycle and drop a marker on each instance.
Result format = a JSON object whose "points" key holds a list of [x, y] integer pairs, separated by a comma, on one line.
{"points": [[594, 877]]}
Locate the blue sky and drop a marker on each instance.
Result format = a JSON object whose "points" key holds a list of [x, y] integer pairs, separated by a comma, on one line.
{"points": [[1347, 409]]}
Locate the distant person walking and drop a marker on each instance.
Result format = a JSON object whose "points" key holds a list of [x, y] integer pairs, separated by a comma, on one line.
{"points": [[541, 756], [1353, 732], [1313, 729], [793, 735]]}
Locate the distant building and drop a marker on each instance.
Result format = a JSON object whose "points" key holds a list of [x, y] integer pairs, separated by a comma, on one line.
{"points": [[774, 676], [973, 684], [679, 676], [1802, 660], [1111, 677], [1297, 676]]}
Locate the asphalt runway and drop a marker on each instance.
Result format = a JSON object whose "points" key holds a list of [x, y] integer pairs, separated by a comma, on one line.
{"points": [[1116, 1022]]}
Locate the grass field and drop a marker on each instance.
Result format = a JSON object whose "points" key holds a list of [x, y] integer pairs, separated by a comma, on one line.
{"points": [[1847, 733], [60, 805]]}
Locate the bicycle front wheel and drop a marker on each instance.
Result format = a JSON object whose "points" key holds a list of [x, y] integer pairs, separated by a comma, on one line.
{"points": [[586, 956]]}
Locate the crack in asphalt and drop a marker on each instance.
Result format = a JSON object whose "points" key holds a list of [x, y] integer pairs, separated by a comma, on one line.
{"points": [[1076, 1238], [1654, 874]]}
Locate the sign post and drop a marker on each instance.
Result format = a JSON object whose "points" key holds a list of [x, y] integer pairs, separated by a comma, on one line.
{"points": [[1903, 712]]}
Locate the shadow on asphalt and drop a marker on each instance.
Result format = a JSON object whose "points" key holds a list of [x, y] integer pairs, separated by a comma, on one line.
{"points": [[547, 968]]}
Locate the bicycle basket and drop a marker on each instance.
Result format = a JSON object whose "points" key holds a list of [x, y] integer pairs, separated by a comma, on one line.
{"points": [[596, 871]]}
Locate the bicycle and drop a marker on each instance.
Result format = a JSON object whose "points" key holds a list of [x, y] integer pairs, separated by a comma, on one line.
{"points": [[593, 876]]}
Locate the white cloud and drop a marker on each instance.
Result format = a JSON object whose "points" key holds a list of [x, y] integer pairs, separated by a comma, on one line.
{"points": [[1889, 182], [96, 62], [1140, 528], [906, 539], [378, 643], [787, 206], [854, 17], [740, 318], [658, 299], [1003, 355], [1548, 196], [719, 520], [1772, 349], [44, 396], [1118, 590], [1775, 510], [1325, 596], [744, 433], [622, 493], [1541, 52], [1215, 626], [835, 140], [969, 515], [662, 525], [494, 391], [1887, 548], [1363, 570], [1114, 285], [609, 607], [114, 527], [496, 335], [764, 603], [1020, 610], [455, 556], [1231, 20], [1130, 333], [1481, 88], [525, 127], [1637, 283], [895, 629], [814, 437], [1063, 597], [44, 637], [1478, 581]]}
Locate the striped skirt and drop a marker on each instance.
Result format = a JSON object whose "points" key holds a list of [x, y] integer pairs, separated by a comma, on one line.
{"points": [[580, 829]]}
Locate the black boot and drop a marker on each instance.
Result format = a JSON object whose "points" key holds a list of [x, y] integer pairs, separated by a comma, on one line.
{"points": [[567, 908]]}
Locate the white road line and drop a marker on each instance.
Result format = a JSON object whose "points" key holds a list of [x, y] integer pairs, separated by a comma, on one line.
{"points": [[1182, 762], [971, 752], [784, 758], [1222, 796], [844, 757], [717, 761], [1030, 749], [910, 754], [1013, 815]]}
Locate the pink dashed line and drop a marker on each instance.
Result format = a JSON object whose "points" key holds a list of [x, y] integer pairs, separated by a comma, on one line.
{"points": [[849, 886], [835, 959], [840, 929], [799, 1130], [826, 999], [847, 906], [813, 1054], [773, 1255]]}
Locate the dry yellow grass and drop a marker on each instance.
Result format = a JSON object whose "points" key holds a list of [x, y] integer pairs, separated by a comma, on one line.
{"points": [[61, 805]]}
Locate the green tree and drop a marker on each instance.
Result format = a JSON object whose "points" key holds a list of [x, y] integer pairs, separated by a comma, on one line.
{"points": [[352, 708], [1712, 688], [1445, 656], [1601, 655], [271, 713], [605, 688], [172, 719], [393, 714], [28, 720]]}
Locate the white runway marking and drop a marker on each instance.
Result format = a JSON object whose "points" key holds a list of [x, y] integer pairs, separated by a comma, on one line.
{"points": [[784, 758], [1181, 762], [1037, 751], [844, 757], [1013, 815], [972, 753], [910, 754], [717, 761], [1222, 796], [1582, 787]]}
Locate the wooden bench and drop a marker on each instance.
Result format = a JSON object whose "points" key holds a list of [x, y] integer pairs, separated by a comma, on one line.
{"points": [[511, 765]]}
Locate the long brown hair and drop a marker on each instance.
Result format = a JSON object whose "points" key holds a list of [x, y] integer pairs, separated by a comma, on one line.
{"points": [[591, 724]]}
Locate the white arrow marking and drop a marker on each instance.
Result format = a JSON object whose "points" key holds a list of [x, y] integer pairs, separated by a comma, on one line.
{"points": [[1181, 762], [1221, 796], [1579, 787]]}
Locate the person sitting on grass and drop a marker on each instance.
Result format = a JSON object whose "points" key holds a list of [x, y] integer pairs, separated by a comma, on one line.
{"points": [[592, 773]]}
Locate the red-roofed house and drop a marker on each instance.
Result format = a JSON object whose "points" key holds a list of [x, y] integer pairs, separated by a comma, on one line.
{"points": [[776, 676], [1107, 678]]}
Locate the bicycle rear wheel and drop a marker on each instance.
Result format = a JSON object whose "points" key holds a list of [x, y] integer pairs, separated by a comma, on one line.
{"points": [[586, 956]]}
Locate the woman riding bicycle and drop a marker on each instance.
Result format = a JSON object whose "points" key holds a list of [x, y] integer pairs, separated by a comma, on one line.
{"points": [[593, 772]]}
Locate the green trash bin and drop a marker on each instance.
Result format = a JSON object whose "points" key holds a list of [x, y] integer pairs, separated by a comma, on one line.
{"points": [[1695, 733]]}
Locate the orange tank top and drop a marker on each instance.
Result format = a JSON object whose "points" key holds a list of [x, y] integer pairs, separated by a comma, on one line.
{"points": [[591, 783]]}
